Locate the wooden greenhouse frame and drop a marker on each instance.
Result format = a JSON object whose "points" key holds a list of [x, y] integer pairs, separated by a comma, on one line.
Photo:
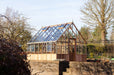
{"points": [[63, 40]]}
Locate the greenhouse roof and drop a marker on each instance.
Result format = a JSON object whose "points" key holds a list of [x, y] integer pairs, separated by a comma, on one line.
{"points": [[50, 33]]}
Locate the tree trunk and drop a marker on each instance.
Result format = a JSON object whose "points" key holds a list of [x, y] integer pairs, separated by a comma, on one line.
{"points": [[103, 36]]}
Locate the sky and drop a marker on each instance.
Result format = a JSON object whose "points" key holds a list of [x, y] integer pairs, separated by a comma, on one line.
{"points": [[46, 12]]}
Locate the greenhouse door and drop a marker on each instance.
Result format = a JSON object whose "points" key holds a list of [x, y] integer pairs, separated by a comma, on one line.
{"points": [[72, 49]]}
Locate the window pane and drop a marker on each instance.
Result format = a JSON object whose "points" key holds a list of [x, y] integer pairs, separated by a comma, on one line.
{"points": [[28, 48], [49, 47], [32, 48], [36, 48]]}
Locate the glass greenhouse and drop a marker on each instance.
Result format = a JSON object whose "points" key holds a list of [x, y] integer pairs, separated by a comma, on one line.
{"points": [[55, 42]]}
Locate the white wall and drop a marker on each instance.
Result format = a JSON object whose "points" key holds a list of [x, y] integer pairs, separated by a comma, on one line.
{"points": [[41, 56]]}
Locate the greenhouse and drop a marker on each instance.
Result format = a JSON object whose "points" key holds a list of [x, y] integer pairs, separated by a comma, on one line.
{"points": [[57, 42]]}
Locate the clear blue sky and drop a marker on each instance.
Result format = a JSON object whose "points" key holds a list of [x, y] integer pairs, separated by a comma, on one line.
{"points": [[46, 12]]}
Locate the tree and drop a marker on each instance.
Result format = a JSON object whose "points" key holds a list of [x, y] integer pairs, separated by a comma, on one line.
{"points": [[99, 13], [17, 28], [97, 34], [85, 31], [112, 34]]}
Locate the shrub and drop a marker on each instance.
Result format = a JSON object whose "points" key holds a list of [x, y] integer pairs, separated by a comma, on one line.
{"points": [[91, 55], [12, 59], [90, 48]]}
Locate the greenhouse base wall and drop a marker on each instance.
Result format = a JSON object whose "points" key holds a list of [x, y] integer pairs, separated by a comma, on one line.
{"points": [[41, 57], [52, 57]]}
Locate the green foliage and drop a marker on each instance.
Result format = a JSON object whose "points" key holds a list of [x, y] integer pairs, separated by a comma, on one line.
{"points": [[97, 33], [25, 37], [90, 48], [85, 33], [99, 57], [95, 49], [104, 54], [91, 55], [100, 50]]}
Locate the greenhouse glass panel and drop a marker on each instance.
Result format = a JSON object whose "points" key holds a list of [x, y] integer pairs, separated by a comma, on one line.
{"points": [[32, 48], [49, 47], [50, 33]]}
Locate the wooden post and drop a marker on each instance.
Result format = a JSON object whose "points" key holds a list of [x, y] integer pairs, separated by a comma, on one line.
{"points": [[34, 48], [68, 48], [38, 48], [30, 48], [75, 50], [42, 47]]}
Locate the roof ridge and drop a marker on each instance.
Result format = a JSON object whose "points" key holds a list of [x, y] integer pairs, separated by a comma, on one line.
{"points": [[57, 24]]}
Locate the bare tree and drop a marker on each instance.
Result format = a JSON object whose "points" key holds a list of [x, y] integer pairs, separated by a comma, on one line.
{"points": [[112, 34], [14, 26], [99, 12]]}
